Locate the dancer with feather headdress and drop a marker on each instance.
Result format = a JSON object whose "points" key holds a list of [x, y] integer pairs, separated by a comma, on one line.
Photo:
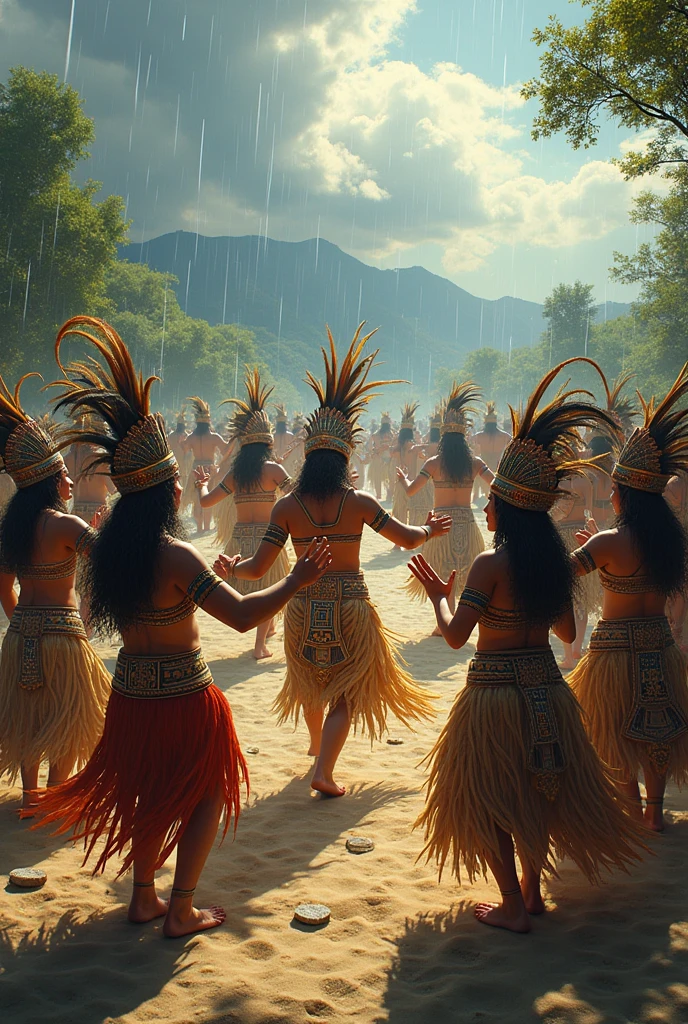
{"points": [[251, 485], [489, 443], [168, 764], [53, 687], [340, 658], [632, 681], [204, 444], [513, 763], [452, 472], [404, 456]]}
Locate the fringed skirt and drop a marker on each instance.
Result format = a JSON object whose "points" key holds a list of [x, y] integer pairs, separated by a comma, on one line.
{"points": [[400, 505], [53, 690], [420, 503], [375, 467], [245, 541], [190, 494], [514, 755], [588, 589], [225, 521], [454, 550], [337, 647], [633, 689], [169, 741]]}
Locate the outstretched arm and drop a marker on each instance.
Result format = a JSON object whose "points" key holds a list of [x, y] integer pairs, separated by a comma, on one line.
{"points": [[391, 529], [8, 597], [244, 612], [276, 536], [413, 486], [457, 628], [209, 498]]}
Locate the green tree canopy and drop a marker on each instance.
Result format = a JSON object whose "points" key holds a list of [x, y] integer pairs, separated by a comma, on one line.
{"points": [[627, 61], [570, 312]]}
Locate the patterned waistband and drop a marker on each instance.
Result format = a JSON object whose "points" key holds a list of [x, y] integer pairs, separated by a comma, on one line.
{"points": [[647, 634], [31, 624], [457, 512], [36, 622], [535, 666], [334, 586], [169, 675], [249, 530]]}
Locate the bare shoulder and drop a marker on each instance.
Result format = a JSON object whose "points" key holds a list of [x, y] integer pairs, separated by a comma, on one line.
{"points": [[604, 544], [478, 465], [487, 567], [65, 526], [365, 502], [180, 555]]}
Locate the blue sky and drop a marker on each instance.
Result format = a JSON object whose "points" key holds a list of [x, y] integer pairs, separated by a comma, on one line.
{"points": [[394, 128]]}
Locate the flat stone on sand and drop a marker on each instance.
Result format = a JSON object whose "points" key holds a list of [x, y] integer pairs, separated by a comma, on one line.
{"points": [[28, 878], [394, 741], [359, 844], [253, 750], [312, 913]]}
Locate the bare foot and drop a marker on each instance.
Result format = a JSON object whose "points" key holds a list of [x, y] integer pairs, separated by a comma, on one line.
{"points": [[314, 750], [533, 900], [262, 652], [270, 632], [193, 921], [436, 631], [495, 915], [327, 788], [143, 909]]}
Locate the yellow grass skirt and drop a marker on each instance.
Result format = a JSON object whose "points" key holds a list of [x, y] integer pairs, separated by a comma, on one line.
{"points": [[400, 505], [454, 550], [420, 503], [54, 713], [245, 541], [588, 589], [605, 682], [480, 779], [371, 677], [375, 474], [225, 521]]}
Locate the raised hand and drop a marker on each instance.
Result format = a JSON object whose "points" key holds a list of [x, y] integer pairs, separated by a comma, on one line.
{"points": [[438, 524], [313, 563], [202, 476], [435, 587], [224, 565]]}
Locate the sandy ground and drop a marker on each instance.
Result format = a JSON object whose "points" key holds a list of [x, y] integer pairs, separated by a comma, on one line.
{"points": [[400, 946]]}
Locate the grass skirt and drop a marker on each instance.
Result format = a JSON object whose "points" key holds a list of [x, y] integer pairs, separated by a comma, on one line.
{"points": [[375, 467], [479, 780], [245, 541], [61, 720], [454, 550], [604, 684], [225, 521], [400, 505], [588, 589], [420, 503], [156, 760], [373, 680]]}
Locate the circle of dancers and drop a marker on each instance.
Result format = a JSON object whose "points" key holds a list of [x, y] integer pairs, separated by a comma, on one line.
{"points": [[588, 510]]}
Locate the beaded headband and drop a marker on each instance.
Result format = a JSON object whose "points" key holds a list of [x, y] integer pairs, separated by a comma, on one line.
{"points": [[28, 453]]}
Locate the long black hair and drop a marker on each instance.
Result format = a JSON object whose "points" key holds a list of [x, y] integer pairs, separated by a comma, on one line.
{"points": [[658, 538], [405, 435], [121, 574], [434, 435], [19, 522], [202, 428], [456, 460], [531, 541], [323, 474], [247, 467]]}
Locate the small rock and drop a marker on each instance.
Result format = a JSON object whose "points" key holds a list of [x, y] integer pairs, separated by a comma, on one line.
{"points": [[359, 844], [312, 913], [28, 878], [253, 750], [394, 741]]}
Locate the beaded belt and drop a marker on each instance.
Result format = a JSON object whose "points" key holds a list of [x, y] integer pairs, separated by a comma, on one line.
{"points": [[322, 643], [33, 623], [655, 718], [457, 512], [168, 675], [534, 672], [248, 537]]}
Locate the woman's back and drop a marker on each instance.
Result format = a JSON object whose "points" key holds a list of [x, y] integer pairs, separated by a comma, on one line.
{"points": [[339, 517], [451, 493], [628, 593], [49, 579], [254, 503], [501, 627]]}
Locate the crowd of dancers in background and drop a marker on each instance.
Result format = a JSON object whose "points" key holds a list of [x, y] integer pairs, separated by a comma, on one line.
{"points": [[588, 507]]}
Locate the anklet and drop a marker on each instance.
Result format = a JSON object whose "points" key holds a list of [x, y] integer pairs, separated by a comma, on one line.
{"points": [[183, 894], [143, 885], [654, 803], [511, 892]]}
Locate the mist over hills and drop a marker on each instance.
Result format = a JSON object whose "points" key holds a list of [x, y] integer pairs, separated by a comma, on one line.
{"points": [[287, 291]]}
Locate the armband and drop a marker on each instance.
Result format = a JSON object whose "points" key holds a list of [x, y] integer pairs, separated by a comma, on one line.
{"points": [[380, 521], [584, 561], [84, 544], [424, 472], [476, 600], [200, 588], [285, 482], [223, 487], [275, 535]]}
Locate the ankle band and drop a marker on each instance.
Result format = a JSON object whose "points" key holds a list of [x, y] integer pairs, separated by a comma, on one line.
{"points": [[511, 892], [183, 893], [143, 885]]}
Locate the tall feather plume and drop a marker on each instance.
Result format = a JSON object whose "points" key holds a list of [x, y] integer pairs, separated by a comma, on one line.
{"points": [[200, 407], [408, 412], [114, 393], [11, 412], [555, 427], [460, 400], [347, 389], [246, 411], [622, 407], [668, 426], [280, 411]]}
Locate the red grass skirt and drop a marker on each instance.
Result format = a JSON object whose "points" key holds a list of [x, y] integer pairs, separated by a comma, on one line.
{"points": [[155, 761]]}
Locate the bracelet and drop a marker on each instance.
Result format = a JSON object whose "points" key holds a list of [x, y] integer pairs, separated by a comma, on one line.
{"points": [[427, 532], [200, 483]]}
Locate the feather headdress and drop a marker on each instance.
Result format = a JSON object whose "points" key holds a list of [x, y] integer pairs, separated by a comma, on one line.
{"points": [[457, 405], [201, 409], [133, 441], [29, 451], [659, 449], [408, 415], [250, 423], [546, 445], [281, 413], [343, 396], [491, 414], [622, 407]]}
